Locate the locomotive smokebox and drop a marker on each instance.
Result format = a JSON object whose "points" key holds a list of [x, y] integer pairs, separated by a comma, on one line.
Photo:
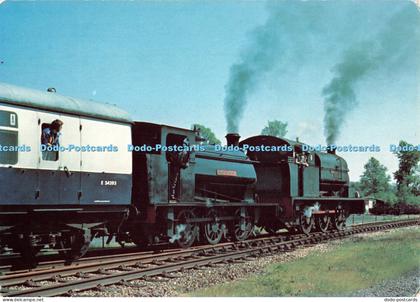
{"points": [[232, 139]]}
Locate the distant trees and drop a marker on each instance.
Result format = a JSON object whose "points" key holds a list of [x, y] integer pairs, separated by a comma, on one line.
{"points": [[374, 181], [408, 174], [207, 133], [414, 181], [275, 128]]}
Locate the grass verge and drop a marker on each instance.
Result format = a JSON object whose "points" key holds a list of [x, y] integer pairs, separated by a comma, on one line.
{"points": [[348, 267]]}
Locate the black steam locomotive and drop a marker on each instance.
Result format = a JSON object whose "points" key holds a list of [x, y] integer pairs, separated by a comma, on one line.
{"points": [[147, 183]]}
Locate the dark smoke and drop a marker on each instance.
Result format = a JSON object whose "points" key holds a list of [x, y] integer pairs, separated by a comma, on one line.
{"points": [[283, 33], [244, 75], [390, 48], [300, 32]]}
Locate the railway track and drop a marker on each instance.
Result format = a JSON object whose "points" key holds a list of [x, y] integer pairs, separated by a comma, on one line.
{"points": [[98, 273], [14, 265]]}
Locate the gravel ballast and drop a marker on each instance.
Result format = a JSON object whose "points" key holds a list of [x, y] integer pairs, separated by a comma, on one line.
{"points": [[406, 285], [192, 280]]}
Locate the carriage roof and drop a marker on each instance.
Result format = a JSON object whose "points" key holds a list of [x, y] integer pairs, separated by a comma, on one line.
{"points": [[55, 102]]}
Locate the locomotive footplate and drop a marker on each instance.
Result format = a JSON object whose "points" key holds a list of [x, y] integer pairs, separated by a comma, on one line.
{"points": [[328, 204]]}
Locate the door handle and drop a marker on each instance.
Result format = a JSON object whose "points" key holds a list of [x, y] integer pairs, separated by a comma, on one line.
{"points": [[68, 173]]}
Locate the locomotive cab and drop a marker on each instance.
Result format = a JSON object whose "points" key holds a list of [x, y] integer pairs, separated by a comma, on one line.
{"points": [[333, 175]]}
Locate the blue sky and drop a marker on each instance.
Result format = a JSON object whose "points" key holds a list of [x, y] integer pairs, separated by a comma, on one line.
{"points": [[168, 62]]}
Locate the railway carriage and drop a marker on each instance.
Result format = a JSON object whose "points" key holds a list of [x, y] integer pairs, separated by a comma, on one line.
{"points": [[66, 197]]}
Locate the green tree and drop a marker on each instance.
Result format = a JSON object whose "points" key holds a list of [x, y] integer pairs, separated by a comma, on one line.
{"points": [[414, 181], [275, 128], [407, 176], [206, 133], [374, 182]]}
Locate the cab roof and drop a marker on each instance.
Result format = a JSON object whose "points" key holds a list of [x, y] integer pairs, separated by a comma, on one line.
{"points": [[55, 102]]}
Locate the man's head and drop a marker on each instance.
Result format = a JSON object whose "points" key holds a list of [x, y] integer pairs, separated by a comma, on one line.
{"points": [[57, 125]]}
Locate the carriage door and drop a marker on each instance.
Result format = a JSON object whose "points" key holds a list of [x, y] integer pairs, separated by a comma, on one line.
{"points": [[106, 169], [69, 168], [59, 170]]}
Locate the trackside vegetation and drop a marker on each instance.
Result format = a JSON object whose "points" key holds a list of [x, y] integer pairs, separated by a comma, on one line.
{"points": [[355, 264]]}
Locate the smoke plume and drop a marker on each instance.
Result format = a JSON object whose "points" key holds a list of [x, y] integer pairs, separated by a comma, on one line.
{"points": [[281, 35], [305, 34], [244, 75], [391, 47]]}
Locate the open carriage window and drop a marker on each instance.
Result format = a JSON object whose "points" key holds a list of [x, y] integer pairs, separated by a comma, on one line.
{"points": [[50, 140]]}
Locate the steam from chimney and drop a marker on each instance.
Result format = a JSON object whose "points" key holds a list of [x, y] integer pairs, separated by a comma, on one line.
{"points": [[244, 75], [389, 48], [300, 32], [266, 49]]}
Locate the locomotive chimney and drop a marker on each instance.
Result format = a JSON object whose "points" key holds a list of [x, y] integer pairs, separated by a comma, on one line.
{"points": [[331, 151], [232, 139]]}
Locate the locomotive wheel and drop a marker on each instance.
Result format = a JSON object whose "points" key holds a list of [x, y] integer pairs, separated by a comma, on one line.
{"points": [[322, 223], [306, 223], [340, 220], [239, 233], [213, 230], [186, 231]]}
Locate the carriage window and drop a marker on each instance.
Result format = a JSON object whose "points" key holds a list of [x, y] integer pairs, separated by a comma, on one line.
{"points": [[48, 146], [9, 144]]}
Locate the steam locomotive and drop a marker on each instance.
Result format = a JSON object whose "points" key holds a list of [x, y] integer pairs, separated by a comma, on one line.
{"points": [[98, 183]]}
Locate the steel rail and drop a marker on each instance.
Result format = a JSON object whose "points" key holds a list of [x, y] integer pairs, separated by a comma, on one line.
{"points": [[131, 259], [52, 261], [97, 255], [166, 263]]}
